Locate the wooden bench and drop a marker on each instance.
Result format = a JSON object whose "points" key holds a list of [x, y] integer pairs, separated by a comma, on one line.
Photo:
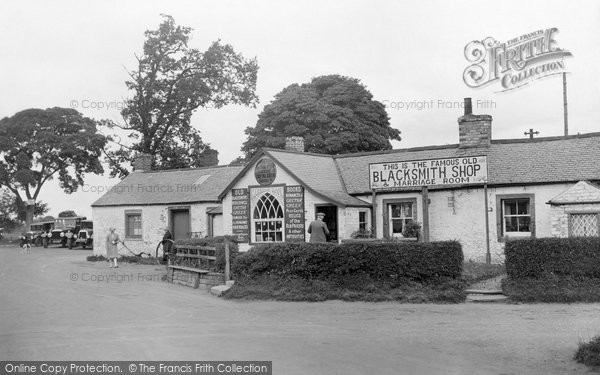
{"points": [[194, 261]]}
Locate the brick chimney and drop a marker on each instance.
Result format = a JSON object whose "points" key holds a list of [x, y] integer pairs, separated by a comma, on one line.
{"points": [[294, 144], [142, 162], [474, 130]]}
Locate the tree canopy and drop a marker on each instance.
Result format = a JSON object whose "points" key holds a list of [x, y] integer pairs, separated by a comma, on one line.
{"points": [[334, 114], [67, 213], [171, 81], [38, 145]]}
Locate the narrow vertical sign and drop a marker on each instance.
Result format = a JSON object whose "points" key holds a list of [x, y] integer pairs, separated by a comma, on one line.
{"points": [[240, 214], [294, 214]]}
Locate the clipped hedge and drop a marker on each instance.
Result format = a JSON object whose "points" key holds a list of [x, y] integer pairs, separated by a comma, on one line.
{"points": [[380, 261], [219, 244], [541, 257]]}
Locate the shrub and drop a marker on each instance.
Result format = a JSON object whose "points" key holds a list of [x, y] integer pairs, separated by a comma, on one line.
{"points": [[552, 289], [379, 261], [588, 353], [412, 229], [537, 257], [363, 233], [219, 244]]}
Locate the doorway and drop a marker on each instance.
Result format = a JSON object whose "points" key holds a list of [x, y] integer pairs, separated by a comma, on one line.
{"points": [[180, 224], [331, 219]]}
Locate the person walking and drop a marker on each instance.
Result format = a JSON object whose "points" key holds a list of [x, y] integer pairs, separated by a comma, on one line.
{"points": [[111, 247], [318, 229], [167, 244]]}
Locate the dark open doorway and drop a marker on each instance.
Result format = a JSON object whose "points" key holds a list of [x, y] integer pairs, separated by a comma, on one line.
{"points": [[331, 219]]}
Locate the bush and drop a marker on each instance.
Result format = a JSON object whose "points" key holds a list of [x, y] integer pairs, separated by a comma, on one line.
{"points": [[538, 257], [219, 244], [589, 353], [379, 261]]}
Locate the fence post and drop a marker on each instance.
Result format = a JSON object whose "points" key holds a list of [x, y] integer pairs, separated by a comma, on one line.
{"points": [[226, 260]]}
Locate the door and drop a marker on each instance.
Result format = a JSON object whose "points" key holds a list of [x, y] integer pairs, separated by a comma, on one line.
{"points": [[180, 223], [331, 219]]}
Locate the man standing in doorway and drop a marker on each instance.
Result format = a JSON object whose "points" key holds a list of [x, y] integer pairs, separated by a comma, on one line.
{"points": [[318, 229]]}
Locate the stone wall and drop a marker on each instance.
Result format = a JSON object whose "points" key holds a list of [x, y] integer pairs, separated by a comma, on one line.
{"points": [[560, 216]]}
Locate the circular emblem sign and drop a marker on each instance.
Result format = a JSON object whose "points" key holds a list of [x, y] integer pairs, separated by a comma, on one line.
{"points": [[265, 171]]}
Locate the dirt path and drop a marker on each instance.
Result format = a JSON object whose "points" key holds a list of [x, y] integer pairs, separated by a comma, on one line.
{"points": [[54, 305]]}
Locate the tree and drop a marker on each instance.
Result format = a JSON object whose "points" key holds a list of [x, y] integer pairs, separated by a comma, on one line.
{"points": [[334, 115], [38, 145], [13, 212], [171, 82], [68, 213]]}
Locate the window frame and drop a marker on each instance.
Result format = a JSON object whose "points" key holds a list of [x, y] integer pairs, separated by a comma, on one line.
{"points": [[500, 199], [570, 221], [275, 221], [386, 212], [132, 213]]}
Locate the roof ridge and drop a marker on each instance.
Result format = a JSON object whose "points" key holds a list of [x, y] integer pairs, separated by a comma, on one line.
{"points": [[546, 139], [191, 169]]}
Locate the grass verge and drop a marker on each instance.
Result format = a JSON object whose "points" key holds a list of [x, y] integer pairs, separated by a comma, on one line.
{"points": [[354, 288], [126, 259], [588, 353], [552, 289]]}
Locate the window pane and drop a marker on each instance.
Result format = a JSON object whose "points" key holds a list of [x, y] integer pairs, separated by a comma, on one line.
{"points": [[397, 226], [523, 207], [396, 211], [407, 210], [524, 224], [510, 208], [512, 224]]}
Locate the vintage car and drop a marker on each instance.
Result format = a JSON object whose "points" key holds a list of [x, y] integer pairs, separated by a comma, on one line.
{"points": [[66, 229], [85, 235], [39, 230]]}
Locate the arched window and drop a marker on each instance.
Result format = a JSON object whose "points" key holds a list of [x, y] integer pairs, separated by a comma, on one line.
{"points": [[268, 219]]}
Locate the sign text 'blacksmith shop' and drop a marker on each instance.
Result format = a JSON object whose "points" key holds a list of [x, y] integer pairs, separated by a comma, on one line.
{"points": [[451, 171]]}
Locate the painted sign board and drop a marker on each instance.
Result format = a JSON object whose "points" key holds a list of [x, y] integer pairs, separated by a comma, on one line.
{"points": [[240, 213], [294, 214], [431, 172]]}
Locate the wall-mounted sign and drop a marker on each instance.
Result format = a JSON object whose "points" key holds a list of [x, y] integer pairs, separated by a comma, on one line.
{"points": [[240, 213], [417, 173], [294, 214], [265, 171]]}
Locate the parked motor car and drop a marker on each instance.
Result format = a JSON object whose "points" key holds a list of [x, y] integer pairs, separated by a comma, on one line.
{"points": [[39, 231], [66, 228], [85, 236]]}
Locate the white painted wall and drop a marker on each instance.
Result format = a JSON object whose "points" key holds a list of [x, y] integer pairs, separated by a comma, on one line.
{"points": [[154, 221], [465, 221]]}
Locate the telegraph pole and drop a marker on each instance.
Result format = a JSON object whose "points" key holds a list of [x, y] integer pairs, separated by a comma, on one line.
{"points": [[566, 117]]}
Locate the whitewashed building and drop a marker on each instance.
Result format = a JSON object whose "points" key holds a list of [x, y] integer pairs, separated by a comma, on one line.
{"points": [[479, 191]]}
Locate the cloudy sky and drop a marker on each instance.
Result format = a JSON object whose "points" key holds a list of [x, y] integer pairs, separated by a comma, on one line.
{"points": [[77, 53]]}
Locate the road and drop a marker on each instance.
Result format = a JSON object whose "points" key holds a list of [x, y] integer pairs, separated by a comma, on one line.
{"points": [[54, 305]]}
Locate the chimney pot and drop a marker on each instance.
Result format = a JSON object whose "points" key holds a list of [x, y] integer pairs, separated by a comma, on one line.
{"points": [[468, 107]]}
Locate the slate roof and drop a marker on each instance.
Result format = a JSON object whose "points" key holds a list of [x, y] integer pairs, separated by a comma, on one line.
{"points": [[318, 172], [170, 187], [520, 161]]}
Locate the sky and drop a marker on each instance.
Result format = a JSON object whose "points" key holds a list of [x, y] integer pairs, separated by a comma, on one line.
{"points": [[409, 54]]}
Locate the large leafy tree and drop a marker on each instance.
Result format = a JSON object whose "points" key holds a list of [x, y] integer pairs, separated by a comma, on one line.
{"points": [[38, 145], [334, 115], [171, 81]]}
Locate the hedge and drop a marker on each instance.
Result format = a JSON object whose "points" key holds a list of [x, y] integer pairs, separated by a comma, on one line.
{"points": [[219, 243], [541, 257], [381, 261]]}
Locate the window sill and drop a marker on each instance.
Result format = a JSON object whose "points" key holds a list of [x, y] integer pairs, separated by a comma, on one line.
{"points": [[137, 238]]}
